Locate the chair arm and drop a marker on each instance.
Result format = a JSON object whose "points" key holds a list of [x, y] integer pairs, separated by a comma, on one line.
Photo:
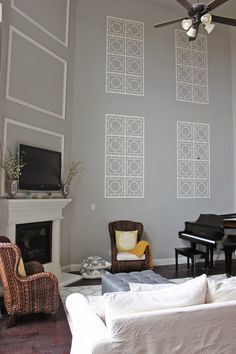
{"points": [[33, 268], [41, 292]]}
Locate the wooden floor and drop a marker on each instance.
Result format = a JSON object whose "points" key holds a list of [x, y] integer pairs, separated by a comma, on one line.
{"points": [[169, 272], [40, 335], [36, 334]]}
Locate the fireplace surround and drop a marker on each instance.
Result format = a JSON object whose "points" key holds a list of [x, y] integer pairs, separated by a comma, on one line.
{"points": [[15, 212]]}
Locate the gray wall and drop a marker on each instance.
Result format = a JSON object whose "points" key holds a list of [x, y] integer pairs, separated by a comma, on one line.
{"points": [[160, 211], [84, 231], [233, 70], [36, 79]]}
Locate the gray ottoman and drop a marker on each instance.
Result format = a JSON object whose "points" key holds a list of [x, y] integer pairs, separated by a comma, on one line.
{"points": [[120, 281]]}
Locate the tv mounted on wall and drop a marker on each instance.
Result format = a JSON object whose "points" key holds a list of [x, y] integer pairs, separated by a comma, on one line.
{"points": [[42, 170]]}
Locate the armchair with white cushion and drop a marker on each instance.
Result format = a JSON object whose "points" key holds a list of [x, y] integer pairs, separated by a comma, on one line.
{"points": [[123, 261]]}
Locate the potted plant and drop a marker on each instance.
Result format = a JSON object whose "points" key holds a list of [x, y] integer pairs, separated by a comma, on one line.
{"points": [[9, 162], [74, 169]]}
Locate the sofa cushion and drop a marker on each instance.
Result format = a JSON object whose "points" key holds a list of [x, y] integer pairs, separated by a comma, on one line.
{"points": [[221, 290], [148, 287], [192, 292]]}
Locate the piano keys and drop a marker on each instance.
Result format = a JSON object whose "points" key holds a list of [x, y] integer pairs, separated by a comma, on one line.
{"points": [[210, 229]]}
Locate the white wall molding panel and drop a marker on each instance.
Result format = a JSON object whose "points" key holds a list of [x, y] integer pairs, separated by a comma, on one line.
{"points": [[191, 68], [52, 16], [193, 160], [29, 61], [124, 156], [125, 56]]}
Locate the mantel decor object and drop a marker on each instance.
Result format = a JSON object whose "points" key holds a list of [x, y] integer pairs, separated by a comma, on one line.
{"points": [[74, 170], [65, 190], [11, 164], [12, 187]]}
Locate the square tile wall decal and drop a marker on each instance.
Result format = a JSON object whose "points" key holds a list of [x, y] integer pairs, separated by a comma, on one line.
{"points": [[125, 56], [191, 68], [124, 156], [193, 160]]}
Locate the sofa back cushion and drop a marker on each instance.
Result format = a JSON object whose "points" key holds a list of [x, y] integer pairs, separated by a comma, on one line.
{"points": [[221, 290], [148, 287], [192, 292]]}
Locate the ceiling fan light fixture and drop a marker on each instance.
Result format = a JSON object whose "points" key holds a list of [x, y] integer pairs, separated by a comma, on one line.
{"points": [[192, 32], [206, 19], [187, 23], [209, 27]]}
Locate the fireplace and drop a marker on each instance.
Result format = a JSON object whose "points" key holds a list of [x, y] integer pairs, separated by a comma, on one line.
{"points": [[35, 241], [16, 212]]}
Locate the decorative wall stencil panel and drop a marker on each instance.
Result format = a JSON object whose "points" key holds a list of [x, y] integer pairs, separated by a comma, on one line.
{"points": [[193, 160], [124, 157], [125, 56], [191, 68], [51, 16], [30, 62]]}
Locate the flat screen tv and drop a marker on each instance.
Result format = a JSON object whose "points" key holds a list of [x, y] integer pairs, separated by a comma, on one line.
{"points": [[42, 170]]}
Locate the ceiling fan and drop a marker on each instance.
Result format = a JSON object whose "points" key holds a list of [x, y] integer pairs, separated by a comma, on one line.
{"points": [[199, 13]]}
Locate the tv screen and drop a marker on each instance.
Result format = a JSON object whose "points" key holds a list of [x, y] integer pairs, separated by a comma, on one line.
{"points": [[42, 170]]}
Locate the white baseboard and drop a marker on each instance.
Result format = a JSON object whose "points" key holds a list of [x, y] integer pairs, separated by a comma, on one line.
{"points": [[156, 262], [71, 268]]}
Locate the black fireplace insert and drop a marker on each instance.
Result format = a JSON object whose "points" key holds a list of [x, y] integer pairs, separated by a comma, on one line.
{"points": [[35, 241]]}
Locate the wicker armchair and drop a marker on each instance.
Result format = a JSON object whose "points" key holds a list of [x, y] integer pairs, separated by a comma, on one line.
{"points": [[127, 265], [35, 293]]}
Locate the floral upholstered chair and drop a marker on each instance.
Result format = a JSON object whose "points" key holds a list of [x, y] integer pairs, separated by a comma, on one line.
{"points": [[34, 291], [123, 261]]}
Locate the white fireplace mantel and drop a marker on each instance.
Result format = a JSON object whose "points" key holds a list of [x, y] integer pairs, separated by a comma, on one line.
{"points": [[22, 211]]}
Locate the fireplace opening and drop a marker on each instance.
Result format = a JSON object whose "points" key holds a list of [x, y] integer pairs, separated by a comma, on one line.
{"points": [[35, 241]]}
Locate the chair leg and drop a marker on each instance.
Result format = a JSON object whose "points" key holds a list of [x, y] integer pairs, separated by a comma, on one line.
{"points": [[11, 321], [54, 317]]}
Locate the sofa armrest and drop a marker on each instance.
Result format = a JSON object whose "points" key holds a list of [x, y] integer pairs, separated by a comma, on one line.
{"points": [[88, 330]]}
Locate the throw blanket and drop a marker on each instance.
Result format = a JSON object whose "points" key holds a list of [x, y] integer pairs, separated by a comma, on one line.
{"points": [[139, 250]]}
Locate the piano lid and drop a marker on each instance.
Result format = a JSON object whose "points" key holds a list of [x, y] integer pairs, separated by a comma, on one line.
{"points": [[211, 220]]}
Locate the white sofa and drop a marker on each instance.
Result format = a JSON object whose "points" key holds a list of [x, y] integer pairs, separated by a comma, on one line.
{"points": [[207, 328]]}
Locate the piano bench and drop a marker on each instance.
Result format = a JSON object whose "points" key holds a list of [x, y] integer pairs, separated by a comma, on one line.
{"points": [[192, 254]]}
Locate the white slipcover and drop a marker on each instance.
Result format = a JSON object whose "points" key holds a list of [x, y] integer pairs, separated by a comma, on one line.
{"points": [[205, 329]]}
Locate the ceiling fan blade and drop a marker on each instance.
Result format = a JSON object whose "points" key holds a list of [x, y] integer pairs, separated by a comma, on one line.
{"points": [[224, 20], [169, 22], [214, 4], [186, 4]]}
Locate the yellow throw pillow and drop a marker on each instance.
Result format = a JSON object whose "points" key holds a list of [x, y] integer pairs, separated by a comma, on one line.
{"points": [[126, 240], [21, 268]]}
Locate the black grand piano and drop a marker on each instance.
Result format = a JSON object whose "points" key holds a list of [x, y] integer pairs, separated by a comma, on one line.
{"points": [[210, 229]]}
